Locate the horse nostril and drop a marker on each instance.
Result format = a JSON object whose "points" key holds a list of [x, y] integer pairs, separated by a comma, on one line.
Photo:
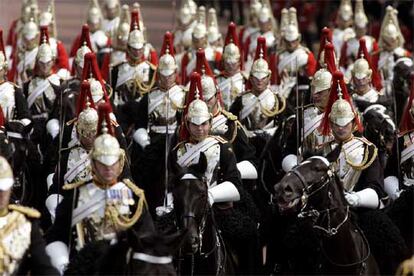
{"points": [[288, 190]]}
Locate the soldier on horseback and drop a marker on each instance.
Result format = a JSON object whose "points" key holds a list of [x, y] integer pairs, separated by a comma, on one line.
{"points": [[258, 109], [23, 248], [99, 208], [159, 113], [132, 79]]}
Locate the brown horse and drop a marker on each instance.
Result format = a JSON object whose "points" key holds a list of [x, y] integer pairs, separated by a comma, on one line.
{"points": [[312, 191]]}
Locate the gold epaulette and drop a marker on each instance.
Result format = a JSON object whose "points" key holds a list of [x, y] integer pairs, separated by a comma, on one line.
{"points": [[220, 139], [365, 141], [30, 212], [229, 115], [71, 186], [68, 123], [178, 145]]}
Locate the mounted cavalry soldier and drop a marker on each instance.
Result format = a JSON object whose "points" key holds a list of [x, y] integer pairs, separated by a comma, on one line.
{"points": [[267, 29], [112, 11], [97, 209], [364, 82], [224, 123], [350, 47], [231, 81], [213, 32], [48, 19], [132, 79], [390, 42], [12, 101], [100, 42], [120, 38], [312, 140], [357, 165], [343, 30], [186, 23], [294, 64], [41, 93], [25, 55], [199, 40], [157, 117], [258, 109], [23, 248], [222, 176]]}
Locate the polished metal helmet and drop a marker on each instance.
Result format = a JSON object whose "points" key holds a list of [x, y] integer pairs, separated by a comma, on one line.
{"points": [[345, 10], [167, 65], [361, 69], [360, 18], [209, 87], [45, 52], [291, 33], [30, 30], [341, 113], [321, 80], [260, 68], [94, 12], [96, 90], [87, 123]]}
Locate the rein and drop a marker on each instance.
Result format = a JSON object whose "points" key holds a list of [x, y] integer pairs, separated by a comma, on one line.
{"points": [[314, 213]]}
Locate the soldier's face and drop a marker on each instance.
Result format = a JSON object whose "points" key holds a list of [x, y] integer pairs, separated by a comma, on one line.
{"points": [[361, 84], [320, 99], [265, 26], [231, 68], [108, 174], [259, 85], [342, 133], [136, 54], [45, 67], [87, 141], [360, 32], [4, 199], [31, 43], [292, 45], [199, 42], [166, 81], [199, 132], [390, 44]]}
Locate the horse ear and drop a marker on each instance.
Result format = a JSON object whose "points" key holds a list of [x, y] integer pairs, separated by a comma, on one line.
{"points": [[175, 240], [202, 163]]}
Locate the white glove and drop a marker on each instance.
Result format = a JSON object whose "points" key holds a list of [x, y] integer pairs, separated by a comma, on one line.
{"points": [[270, 131], [247, 170], [352, 199], [223, 192], [53, 127], [141, 137], [59, 255], [391, 187], [51, 203], [366, 198]]}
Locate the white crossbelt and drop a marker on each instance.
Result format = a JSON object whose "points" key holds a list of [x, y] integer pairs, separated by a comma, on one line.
{"points": [[29, 59], [44, 84], [407, 153], [91, 206], [218, 121], [77, 168], [185, 160], [290, 59]]}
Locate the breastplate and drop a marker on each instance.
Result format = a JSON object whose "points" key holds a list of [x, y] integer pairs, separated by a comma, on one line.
{"points": [[258, 119]]}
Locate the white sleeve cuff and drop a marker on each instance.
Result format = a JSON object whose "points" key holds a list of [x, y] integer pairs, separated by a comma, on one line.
{"points": [[59, 255], [223, 192], [289, 162], [247, 170]]}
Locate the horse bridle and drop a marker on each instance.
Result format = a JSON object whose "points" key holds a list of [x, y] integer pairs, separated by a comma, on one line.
{"points": [[314, 213]]}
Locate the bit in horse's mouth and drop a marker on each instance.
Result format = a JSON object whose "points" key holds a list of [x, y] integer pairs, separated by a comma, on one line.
{"points": [[283, 207]]}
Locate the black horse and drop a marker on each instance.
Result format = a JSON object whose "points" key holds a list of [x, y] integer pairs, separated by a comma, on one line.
{"points": [[313, 192], [380, 129], [203, 250], [133, 254]]}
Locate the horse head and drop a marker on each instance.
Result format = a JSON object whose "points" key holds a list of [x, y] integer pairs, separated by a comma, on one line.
{"points": [[303, 186], [191, 203], [379, 128]]}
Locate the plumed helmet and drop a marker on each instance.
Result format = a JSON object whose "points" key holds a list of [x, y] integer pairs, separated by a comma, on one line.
{"points": [[361, 69], [3, 59], [30, 30], [167, 64], [106, 148], [197, 110], [136, 38], [321, 80], [360, 18], [231, 52], [260, 68], [209, 87], [341, 113], [45, 52], [345, 10], [94, 12]]}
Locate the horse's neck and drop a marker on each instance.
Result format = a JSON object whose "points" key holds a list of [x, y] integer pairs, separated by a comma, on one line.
{"points": [[348, 235], [209, 235]]}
